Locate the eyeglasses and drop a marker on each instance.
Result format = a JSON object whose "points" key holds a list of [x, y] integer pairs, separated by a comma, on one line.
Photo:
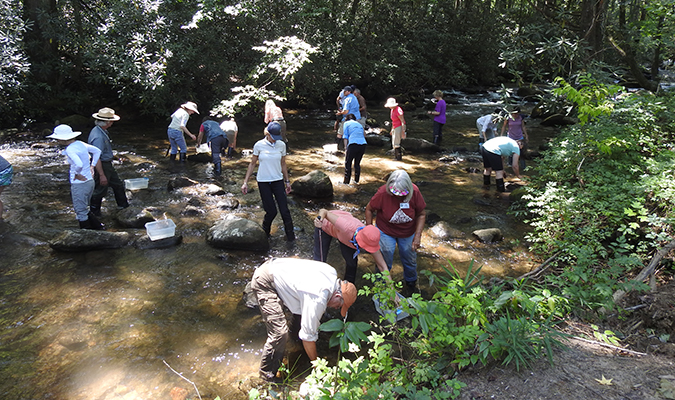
{"points": [[398, 192]]}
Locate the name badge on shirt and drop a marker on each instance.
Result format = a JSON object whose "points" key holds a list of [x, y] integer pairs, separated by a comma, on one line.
{"points": [[404, 206]]}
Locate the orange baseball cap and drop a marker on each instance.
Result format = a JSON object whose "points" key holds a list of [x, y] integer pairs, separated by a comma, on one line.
{"points": [[348, 296]]}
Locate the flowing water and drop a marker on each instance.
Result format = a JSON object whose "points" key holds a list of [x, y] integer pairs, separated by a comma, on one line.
{"points": [[99, 324]]}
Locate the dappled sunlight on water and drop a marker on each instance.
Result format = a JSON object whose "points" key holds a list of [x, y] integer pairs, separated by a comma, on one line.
{"points": [[97, 325]]}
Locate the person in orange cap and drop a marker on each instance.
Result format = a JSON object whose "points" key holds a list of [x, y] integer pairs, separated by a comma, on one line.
{"points": [[352, 235], [306, 288]]}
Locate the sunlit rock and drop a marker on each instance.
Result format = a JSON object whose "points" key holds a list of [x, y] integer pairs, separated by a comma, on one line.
{"points": [[228, 204], [316, 184], [234, 233], [134, 217], [489, 235], [443, 231], [180, 182], [85, 240], [213, 190]]}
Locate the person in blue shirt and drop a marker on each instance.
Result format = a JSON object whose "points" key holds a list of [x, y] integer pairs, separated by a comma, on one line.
{"points": [[350, 105], [6, 174], [355, 145], [492, 151], [217, 138]]}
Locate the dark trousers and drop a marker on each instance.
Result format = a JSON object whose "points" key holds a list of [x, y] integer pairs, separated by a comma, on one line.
{"points": [[100, 191], [355, 153], [273, 194], [438, 133], [322, 242], [218, 145]]}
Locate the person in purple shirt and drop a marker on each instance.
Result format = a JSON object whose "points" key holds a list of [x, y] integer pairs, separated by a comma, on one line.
{"points": [[439, 119]]}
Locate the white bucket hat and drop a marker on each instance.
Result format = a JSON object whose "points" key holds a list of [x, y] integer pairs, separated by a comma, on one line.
{"points": [[106, 114], [63, 132], [391, 102], [190, 106]]}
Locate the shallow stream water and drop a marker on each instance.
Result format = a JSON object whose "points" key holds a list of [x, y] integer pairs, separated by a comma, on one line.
{"points": [[98, 325]]}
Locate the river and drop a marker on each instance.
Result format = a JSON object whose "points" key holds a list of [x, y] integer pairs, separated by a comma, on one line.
{"points": [[99, 324]]}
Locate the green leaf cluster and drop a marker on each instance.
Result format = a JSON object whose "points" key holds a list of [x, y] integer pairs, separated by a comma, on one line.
{"points": [[464, 323], [603, 195]]}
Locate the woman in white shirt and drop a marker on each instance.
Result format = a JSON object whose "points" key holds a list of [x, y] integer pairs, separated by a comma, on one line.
{"points": [[272, 177]]}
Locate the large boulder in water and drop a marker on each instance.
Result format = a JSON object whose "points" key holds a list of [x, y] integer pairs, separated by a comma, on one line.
{"points": [[414, 145], [234, 233], [85, 239], [489, 235], [377, 140], [316, 184]]}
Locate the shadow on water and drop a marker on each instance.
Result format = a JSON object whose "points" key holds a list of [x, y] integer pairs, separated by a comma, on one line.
{"points": [[97, 325]]}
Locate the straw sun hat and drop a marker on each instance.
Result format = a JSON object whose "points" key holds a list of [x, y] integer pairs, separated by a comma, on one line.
{"points": [[106, 114]]}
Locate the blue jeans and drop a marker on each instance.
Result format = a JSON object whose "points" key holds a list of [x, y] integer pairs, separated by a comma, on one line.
{"points": [[405, 251], [177, 141]]}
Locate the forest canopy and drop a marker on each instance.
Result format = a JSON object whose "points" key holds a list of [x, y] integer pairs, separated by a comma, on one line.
{"points": [[68, 56]]}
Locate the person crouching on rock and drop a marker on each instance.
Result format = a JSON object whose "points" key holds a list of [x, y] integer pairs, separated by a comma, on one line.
{"points": [[306, 288]]}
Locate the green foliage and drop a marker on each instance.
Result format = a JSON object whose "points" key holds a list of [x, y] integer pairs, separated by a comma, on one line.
{"points": [[607, 336], [592, 98], [345, 333], [14, 65], [461, 325], [519, 340], [603, 195]]}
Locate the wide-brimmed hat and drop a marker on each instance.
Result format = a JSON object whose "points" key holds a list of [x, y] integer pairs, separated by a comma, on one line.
{"points": [[391, 102], [64, 132], [190, 106], [106, 114], [368, 238], [274, 129], [348, 296]]}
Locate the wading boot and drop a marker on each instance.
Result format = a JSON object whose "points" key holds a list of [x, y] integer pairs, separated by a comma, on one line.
{"points": [[398, 155], [95, 223], [500, 185], [216, 169], [84, 224], [183, 157], [172, 157], [486, 181]]}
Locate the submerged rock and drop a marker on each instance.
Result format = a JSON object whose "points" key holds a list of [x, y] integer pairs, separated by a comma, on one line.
{"points": [[489, 235], [316, 184], [134, 217], [145, 243], [84, 240], [180, 182], [236, 233], [414, 145]]}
